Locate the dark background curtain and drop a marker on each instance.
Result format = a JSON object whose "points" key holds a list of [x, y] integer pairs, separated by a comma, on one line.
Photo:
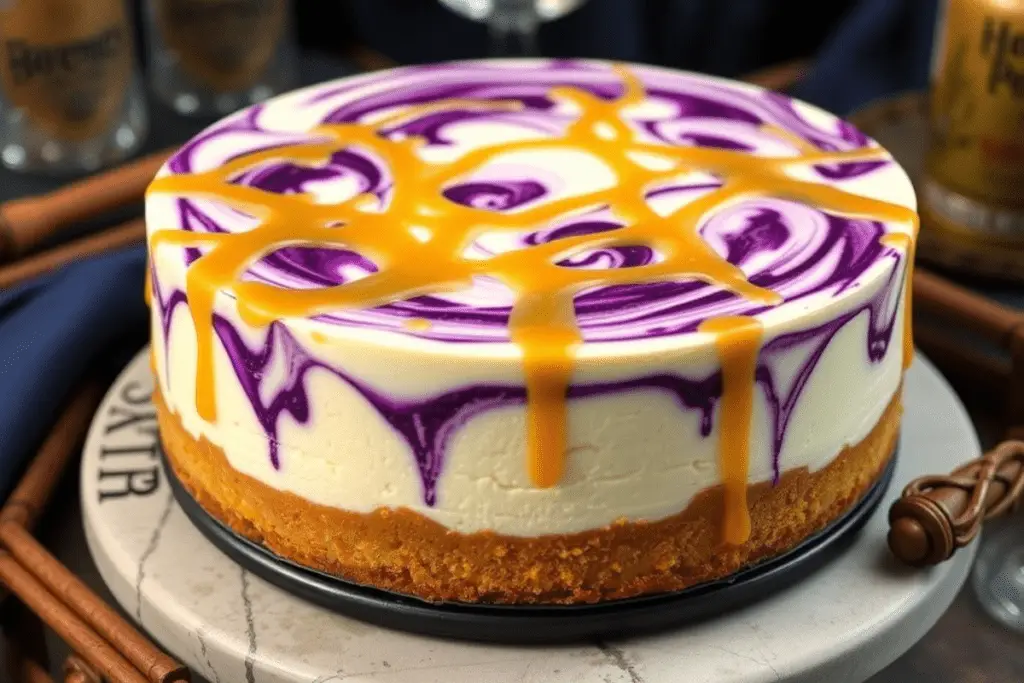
{"points": [[862, 49], [725, 37]]}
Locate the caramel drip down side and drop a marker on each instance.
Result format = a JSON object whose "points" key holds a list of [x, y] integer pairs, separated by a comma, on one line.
{"points": [[738, 341], [543, 322], [907, 244]]}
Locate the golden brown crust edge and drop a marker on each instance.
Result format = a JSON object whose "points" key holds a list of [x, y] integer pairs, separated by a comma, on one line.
{"points": [[402, 551]]}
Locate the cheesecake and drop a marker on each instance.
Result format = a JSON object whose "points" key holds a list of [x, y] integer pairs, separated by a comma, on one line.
{"points": [[530, 331]]}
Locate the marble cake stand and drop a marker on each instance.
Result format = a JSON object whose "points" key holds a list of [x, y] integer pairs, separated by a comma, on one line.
{"points": [[842, 624]]}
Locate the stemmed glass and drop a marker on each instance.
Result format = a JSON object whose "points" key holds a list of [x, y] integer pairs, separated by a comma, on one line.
{"points": [[998, 576], [513, 22]]}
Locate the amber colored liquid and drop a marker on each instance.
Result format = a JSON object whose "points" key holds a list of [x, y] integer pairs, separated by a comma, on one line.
{"points": [[67, 72], [216, 56], [975, 161]]}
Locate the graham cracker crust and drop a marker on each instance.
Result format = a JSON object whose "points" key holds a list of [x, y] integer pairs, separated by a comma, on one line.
{"points": [[401, 551]]}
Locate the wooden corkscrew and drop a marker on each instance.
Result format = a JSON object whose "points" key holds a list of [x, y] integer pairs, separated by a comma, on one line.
{"points": [[939, 514]]}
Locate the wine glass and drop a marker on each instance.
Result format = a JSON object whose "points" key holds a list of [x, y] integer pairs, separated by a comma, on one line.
{"points": [[998, 575], [511, 21]]}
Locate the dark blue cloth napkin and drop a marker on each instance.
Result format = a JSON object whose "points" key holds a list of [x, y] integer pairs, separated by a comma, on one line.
{"points": [[57, 328], [53, 331], [883, 47]]}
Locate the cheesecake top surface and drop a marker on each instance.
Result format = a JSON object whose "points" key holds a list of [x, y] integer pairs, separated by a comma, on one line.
{"points": [[462, 201]]}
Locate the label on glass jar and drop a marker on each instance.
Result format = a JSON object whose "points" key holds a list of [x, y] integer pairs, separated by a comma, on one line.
{"points": [[66, 64], [223, 44], [975, 162]]}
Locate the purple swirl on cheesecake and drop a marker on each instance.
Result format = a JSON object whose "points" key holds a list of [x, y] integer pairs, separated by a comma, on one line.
{"points": [[795, 250], [788, 247]]}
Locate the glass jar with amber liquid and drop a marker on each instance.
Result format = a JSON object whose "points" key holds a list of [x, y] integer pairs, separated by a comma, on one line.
{"points": [[211, 57], [70, 96], [972, 192]]}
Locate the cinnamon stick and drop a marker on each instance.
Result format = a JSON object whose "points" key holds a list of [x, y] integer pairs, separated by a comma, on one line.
{"points": [[158, 667], [1014, 413], [26, 222], [77, 670], [127, 233], [976, 313], [988, 319], [962, 362], [370, 60], [30, 671], [33, 492], [778, 77], [66, 624]]}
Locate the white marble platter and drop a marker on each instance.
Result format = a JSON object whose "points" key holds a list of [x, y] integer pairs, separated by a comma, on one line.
{"points": [[842, 624]]}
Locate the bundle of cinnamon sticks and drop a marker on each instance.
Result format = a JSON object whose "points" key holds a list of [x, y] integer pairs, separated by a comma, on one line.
{"points": [[107, 647]]}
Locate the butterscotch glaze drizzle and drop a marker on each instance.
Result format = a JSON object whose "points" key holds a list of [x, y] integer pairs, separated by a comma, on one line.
{"points": [[417, 324], [906, 243], [738, 340], [417, 238]]}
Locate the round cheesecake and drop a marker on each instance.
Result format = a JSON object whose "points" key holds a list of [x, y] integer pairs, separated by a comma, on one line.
{"points": [[530, 331]]}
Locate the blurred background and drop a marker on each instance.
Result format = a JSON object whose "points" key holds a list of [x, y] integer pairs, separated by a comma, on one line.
{"points": [[728, 38], [80, 76]]}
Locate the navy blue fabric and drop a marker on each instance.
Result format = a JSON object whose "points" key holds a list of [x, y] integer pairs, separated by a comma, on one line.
{"points": [[55, 329], [52, 332], [883, 47]]}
